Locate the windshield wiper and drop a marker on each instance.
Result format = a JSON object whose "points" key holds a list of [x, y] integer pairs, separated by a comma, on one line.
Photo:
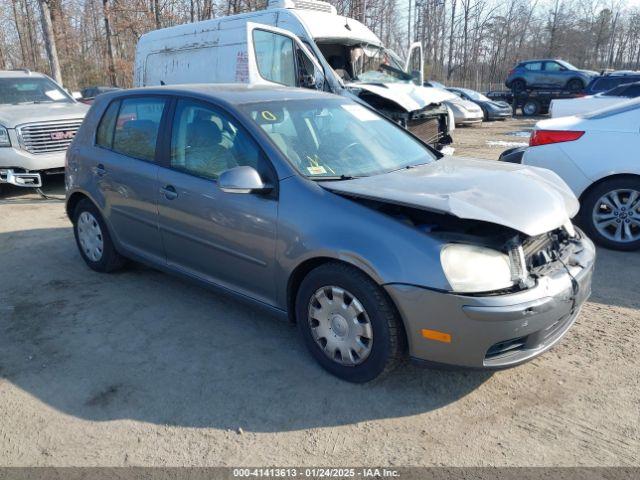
{"points": [[408, 167], [335, 177]]}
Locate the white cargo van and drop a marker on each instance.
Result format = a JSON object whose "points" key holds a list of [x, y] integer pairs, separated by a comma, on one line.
{"points": [[299, 43]]}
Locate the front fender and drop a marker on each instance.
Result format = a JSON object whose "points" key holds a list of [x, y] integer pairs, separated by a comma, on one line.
{"points": [[315, 223]]}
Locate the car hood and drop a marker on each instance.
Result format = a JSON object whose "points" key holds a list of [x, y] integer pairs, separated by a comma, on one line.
{"points": [[498, 103], [408, 96], [12, 116], [527, 199], [461, 102]]}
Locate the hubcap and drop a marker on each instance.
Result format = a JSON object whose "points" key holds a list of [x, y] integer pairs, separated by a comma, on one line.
{"points": [[90, 236], [340, 325], [616, 215]]}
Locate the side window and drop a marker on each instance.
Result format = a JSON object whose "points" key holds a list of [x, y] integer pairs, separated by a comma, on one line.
{"points": [[553, 67], [275, 57], [535, 66], [305, 67], [104, 136], [137, 125], [206, 142], [632, 91]]}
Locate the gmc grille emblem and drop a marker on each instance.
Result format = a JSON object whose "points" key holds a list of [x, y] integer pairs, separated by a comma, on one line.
{"points": [[63, 135]]}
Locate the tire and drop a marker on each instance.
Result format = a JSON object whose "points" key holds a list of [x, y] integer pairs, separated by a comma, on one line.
{"points": [[575, 85], [383, 341], [531, 108], [613, 220], [96, 246], [518, 86]]}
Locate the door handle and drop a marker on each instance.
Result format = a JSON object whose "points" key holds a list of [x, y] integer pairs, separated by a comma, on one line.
{"points": [[99, 170], [169, 192]]}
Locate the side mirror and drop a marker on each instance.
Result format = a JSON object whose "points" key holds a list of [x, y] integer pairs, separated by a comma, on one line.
{"points": [[242, 180]]}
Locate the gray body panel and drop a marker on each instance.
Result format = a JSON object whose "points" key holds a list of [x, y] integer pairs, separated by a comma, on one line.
{"points": [[546, 78], [252, 244]]}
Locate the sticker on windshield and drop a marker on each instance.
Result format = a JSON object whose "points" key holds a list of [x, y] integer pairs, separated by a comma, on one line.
{"points": [[54, 95], [360, 113], [319, 170]]}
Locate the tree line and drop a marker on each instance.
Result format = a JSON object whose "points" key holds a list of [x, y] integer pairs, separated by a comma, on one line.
{"points": [[470, 43]]}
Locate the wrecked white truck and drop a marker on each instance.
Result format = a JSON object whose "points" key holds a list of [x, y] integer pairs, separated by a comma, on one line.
{"points": [[301, 44]]}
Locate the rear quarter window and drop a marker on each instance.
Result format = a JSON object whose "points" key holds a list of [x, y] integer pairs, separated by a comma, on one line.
{"points": [[104, 135], [137, 126]]}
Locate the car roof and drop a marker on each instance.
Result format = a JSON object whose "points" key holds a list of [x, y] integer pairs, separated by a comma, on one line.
{"points": [[543, 60], [20, 74], [230, 93]]}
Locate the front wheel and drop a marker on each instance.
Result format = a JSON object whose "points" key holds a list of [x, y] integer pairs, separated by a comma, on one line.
{"points": [[610, 214], [348, 323], [575, 85]]}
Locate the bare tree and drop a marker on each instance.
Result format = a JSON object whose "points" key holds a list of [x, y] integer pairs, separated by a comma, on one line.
{"points": [[50, 40]]}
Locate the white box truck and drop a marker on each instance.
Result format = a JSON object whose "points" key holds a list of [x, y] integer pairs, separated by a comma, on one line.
{"points": [[300, 43]]}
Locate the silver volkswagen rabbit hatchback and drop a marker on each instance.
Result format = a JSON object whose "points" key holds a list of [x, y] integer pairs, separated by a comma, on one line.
{"points": [[313, 205]]}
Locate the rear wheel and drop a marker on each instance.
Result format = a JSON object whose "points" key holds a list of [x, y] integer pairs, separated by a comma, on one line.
{"points": [[93, 239], [518, 86], [531, 108], [348, 323], [575, 85], [610, 213]]}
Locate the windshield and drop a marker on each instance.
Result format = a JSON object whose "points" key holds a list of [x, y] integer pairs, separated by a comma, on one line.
{"points": [[18, 90], [475, 95], [373, 64], [566, 65], [336, 139]]}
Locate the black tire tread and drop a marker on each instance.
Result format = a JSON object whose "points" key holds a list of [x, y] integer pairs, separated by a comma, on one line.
{"points": [[383, 305]]}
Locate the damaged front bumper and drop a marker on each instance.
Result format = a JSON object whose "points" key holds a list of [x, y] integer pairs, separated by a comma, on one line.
{"points": [[20, 178], [497, 331]]}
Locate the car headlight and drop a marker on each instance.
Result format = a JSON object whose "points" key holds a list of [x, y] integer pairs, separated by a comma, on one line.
{"points": [[4, 137], [473, 269]]}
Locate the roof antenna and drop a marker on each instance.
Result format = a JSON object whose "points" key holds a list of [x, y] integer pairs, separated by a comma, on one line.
{"points": [[162, 83], [346, 24]]}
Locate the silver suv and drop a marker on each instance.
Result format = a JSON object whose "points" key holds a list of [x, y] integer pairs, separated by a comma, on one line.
{"points": [[38, 120]]}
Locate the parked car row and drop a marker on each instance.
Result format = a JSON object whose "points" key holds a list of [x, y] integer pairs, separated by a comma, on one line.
{"points": [[470, 107]]}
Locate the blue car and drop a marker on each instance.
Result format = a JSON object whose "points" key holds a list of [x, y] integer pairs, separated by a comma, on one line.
{"points": [[548, 73]]}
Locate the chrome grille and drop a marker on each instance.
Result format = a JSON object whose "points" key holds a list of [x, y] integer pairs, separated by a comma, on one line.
{"points": [[48, 137]]}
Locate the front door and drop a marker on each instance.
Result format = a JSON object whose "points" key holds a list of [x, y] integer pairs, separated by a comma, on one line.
{"points": [[277, 57], [126, 172], [415, 63], [224, 238]]}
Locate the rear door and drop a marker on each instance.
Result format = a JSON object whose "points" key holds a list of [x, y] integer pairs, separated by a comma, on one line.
{"points": [[533, 74], [277, 57], [223, 238], [415, 63], [126, 172]]}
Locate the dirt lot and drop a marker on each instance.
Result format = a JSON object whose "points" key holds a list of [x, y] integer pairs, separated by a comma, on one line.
{"points": [[140, 368]]}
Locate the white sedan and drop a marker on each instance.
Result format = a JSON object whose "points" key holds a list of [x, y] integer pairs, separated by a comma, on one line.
{"points": [[598, 156], [574, 106]]}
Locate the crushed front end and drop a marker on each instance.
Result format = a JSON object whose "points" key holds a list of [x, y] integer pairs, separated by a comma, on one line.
{"points": [[430, 124], [502, 329]]}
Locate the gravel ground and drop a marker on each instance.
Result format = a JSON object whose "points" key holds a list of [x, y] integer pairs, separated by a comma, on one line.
{"points": [[140, 368]]}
